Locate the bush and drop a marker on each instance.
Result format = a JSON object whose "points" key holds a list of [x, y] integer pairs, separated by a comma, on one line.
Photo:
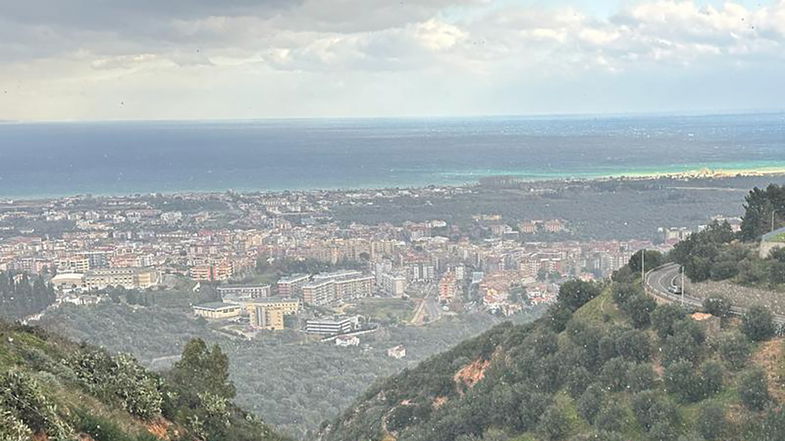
{"points": [[26, 407], [576, 293], [711, 421], [734, 349], [650, 409], [753, 389], [664, 317], [639, 308], [717, 306], [758, 324], [591, 401], [681, 381], [554, 423]]}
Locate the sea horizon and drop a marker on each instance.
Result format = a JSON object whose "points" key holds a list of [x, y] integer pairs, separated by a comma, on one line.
{"points": [[133, 157]]}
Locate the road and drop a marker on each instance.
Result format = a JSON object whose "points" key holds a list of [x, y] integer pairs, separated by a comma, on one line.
{"points": [[660, 279]]}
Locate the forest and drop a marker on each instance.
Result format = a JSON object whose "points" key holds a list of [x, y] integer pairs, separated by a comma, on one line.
{"points": [[295, 383], [23, 295]]}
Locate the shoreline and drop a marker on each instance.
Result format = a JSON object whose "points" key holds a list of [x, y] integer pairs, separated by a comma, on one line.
{"points": [[705, 174]]}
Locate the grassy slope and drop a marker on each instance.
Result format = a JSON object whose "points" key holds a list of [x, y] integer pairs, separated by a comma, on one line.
{"points": [[42, 356], [370, 416]]}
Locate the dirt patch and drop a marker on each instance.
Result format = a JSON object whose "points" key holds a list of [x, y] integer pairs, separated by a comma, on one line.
{"points": [[472, 373], [771, 357], [439, 402]]}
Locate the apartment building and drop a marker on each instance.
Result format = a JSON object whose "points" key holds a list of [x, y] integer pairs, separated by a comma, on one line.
{"points": [[246, 291], [130, 278], [217, 310], [292, 286], [331, 287], [333, 326]]}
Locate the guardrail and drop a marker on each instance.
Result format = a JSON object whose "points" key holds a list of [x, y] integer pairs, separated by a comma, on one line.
{"points": [[695, 302]]}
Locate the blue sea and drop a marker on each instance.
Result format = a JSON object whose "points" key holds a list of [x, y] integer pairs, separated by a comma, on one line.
{"points": [[58, 159]]}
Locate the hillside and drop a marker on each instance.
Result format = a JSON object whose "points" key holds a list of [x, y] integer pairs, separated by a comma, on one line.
{"points": [[606, 363], [54, 389]]}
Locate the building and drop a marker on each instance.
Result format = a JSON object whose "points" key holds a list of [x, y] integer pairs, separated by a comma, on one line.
{"points": [[129, 278], [211, 272], [393, 285], [76, 264], [331, 287], [217, 310], [271, 319], [289, 306], [397, 352], [247, 291], [68, 282], [332, 326], [291, 286], [347, 340]]}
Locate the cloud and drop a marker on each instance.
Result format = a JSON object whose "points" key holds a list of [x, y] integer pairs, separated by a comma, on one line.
{"points": [[360, 48]]}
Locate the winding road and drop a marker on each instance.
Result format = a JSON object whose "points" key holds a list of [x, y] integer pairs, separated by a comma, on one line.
{"points": [[660, 279]]}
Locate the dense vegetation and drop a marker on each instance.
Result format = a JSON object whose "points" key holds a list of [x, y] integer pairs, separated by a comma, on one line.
{"points": [[51, 388], [22, 295], [612, 210], [294, 383], [718, 253], [606, 363]]}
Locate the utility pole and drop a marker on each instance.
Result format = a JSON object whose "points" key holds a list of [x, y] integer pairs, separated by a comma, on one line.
{"points": [[773, 212], [682, 286], [643, 268]]}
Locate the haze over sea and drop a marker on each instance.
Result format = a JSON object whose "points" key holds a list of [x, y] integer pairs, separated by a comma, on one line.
{"points": [[59, 159]]}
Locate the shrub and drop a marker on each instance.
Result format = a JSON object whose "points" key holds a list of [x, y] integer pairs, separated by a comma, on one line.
{"points": [[734, 349], [711, 421], [758, 324], [753, 389]]}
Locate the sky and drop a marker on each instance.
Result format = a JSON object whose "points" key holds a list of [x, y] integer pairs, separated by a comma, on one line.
{"points": [[243, 59]]}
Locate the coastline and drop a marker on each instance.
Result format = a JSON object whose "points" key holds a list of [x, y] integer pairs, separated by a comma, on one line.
{"points": [[704, 174]]}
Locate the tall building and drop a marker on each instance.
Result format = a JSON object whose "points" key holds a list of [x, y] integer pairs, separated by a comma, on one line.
{"points": [[267, 318]]}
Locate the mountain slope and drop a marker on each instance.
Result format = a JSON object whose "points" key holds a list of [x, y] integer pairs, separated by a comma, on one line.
{"points": [[606, 363], [54, 389]]}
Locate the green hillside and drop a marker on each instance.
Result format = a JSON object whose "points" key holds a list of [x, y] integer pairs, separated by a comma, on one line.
{"points": [[606, 363], [54, 389]]}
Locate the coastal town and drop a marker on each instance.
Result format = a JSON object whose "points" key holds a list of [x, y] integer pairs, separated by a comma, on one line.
{"points": [[266, 262]]}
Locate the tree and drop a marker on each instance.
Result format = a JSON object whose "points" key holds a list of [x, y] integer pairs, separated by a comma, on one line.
{"points": [[575, 293], [711, 376], [611, 418], [201, 370], [639, 308], [734, 349], [641, 377], [753, 389], [554, 423], [681, 381], [758, 324], [664, 317], [591, 401], [652, 260], [717, 306], [651, 408], [711, 421]]}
